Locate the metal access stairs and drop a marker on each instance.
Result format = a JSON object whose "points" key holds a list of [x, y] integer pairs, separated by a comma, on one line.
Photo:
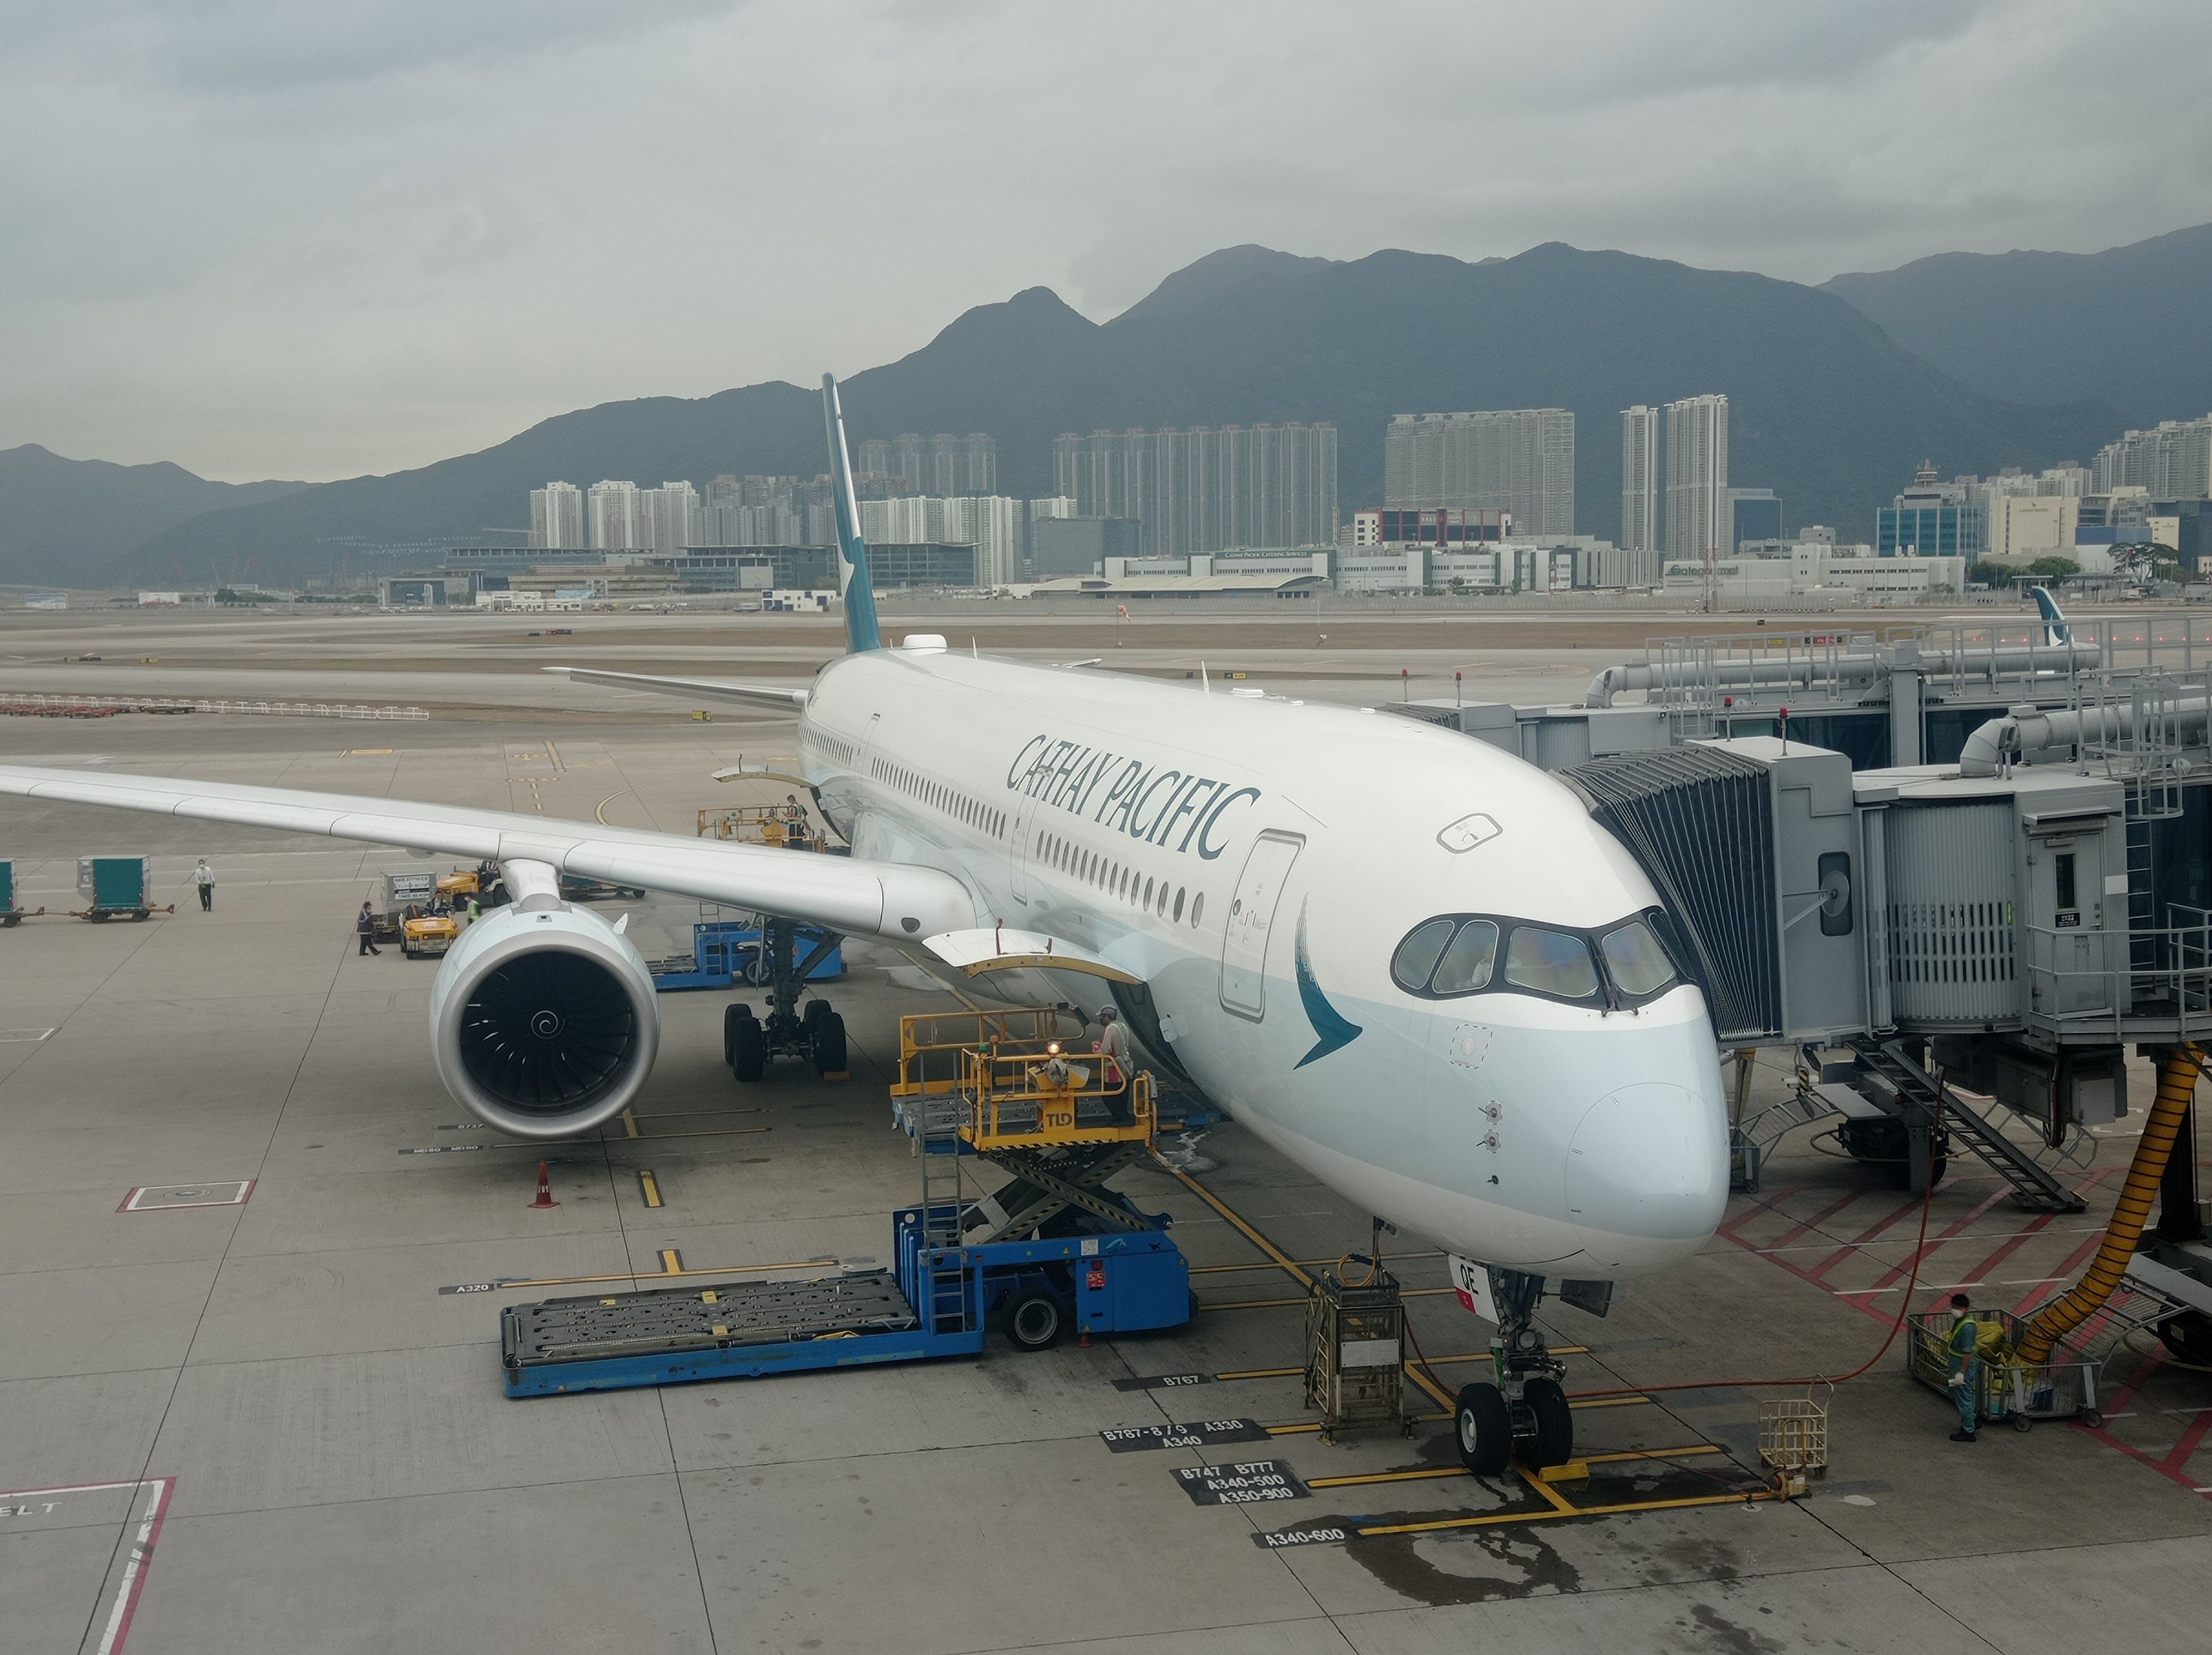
{"points": [[1911, 1091]]}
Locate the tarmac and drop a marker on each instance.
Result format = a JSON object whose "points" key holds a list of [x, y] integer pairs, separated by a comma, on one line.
{"points": [[258, 1407]]}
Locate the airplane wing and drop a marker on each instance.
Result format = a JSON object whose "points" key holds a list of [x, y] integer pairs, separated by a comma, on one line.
{"points": [[846, 894], [748, 695]]}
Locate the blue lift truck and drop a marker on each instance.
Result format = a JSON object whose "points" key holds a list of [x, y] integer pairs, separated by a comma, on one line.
{"points": [[1051, 1248]]}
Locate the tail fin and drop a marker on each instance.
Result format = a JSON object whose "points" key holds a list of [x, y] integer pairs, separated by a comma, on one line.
{"points": [[861, 632], [2055, 627]]}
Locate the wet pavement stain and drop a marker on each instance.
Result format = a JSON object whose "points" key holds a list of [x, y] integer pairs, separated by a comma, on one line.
{"points": [[1715, 1632], [1477, 1566]]}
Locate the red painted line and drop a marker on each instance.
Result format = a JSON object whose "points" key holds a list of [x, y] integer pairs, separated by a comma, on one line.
{"points": [[2189, 1439], [1898, 1272], [136, 1569], [1816, 1221], [1861, 1239]]}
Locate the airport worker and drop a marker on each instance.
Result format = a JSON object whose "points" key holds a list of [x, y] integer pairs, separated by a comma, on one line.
{"points": [[1966, 1365], [203, 877], [364, 927], [1112, 1045], [794, 832]]}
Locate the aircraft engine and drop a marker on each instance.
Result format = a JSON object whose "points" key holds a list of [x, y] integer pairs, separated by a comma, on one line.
{"points": [[544, 1020]]}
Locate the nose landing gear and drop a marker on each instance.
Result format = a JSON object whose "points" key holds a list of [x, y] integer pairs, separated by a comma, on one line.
{"points": [[1522, 1409]]}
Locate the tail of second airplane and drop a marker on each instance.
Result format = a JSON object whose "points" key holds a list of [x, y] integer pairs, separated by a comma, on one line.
{"points": [[2055, 629], [861, 632]]}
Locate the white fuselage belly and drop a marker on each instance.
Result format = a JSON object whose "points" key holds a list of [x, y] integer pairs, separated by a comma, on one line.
{"points": [[1211, 844]]}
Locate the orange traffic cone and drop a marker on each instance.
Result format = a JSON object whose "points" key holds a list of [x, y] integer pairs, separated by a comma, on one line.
{"points": [[544, 1188]]}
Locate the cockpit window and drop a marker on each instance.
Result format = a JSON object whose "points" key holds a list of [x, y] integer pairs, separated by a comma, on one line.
{"points": [[1550, 963], [1626, 964], [1417, 956], [1634, 960], [1466, 964]]}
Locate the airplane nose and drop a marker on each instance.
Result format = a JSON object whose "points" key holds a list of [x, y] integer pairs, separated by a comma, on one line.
{"points": [[1647, 1177]]}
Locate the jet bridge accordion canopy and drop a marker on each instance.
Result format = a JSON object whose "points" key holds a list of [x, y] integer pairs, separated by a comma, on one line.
{"points": [[1700, 823]]}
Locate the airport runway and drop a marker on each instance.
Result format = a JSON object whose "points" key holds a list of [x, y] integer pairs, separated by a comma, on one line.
{"points": [[273, 1424]]}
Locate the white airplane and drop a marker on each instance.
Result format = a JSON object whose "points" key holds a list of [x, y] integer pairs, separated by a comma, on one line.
{"points": [[1411, 963]]}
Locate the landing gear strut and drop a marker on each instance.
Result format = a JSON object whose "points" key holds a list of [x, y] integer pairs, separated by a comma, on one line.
{"points": [[1521, 1408], [750, 1043]]}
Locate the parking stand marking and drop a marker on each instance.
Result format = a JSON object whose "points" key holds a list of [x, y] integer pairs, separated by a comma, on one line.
{"points": [[138, 1550]]}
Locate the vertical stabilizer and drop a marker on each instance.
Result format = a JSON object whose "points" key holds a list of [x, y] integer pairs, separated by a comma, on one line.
{"points": [[861, 632], [2055, 627]]}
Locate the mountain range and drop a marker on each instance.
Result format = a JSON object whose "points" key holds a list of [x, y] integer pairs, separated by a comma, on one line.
{"points": [[2128, 325], [62, 520], [1836, 393]]}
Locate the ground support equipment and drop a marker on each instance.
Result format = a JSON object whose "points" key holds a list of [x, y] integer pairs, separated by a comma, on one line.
{"points": [[1522, 1409], [727, 953], [933, 1046], [11, 916], [116, 888], [1793, 1439], [1060, 1132], [1355, 1350], [2062, 1388]]}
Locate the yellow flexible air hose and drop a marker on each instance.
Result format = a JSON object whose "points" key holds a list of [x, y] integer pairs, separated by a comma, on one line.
{"points": [[2177, 1084]]}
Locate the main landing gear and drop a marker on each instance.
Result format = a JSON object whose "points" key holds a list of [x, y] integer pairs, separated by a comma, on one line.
{"points": [[750, 1043], [1522, 1409]]}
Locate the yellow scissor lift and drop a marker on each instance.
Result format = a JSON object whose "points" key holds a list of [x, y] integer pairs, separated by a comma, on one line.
{"points": [[1002, 1085]]}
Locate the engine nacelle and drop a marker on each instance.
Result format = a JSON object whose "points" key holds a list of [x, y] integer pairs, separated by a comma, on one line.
{"points": [[544, 1020]]}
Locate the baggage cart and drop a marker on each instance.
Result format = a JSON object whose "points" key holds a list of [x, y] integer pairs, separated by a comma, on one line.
{"points": [[2063, 1388]]}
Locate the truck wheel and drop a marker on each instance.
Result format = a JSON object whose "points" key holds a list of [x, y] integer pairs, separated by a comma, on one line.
{"points": [[1032, 1320], [1554, 1441], [1484, 1428], [748, 1050], [827, 1038]]}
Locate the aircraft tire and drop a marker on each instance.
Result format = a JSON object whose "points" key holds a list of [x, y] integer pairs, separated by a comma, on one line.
{"points": [[826, 1038], [748, 1050], [1554, 1441], [732, 1016], [815, 1011], [1484, 1425], [1033, 1320]]}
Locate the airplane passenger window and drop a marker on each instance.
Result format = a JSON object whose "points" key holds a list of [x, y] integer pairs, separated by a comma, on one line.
{"points": [[1197, 907], [1634, 960], [1178, 907], [1550, 963], [1417, 955], [1467, 964], [1148, 893]]}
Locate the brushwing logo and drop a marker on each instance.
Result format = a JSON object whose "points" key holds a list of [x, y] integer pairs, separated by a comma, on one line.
{"points": [[1336, 1031]]}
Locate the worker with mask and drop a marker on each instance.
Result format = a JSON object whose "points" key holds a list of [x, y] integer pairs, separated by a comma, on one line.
{"points": [[1965, 1364]]}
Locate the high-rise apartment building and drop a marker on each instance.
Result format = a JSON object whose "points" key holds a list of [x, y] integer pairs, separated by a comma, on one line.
{"points": [[1640, 479], [669, 518], [2172, 461], [1519, 460], [944, 465], [990, 523], [557, 516], [1698, 520], [615, 519], [1208, 488]]}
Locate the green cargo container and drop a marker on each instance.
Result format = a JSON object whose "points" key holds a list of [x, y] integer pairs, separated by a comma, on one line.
{"points": [[7, 886], [115, 882]]}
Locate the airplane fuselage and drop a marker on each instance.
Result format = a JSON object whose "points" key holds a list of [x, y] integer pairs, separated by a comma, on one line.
{"points": [[1409, 961]]}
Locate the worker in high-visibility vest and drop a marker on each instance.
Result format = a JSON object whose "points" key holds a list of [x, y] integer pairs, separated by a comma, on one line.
{"points": [[1113, 1045], [1965, 1364]]}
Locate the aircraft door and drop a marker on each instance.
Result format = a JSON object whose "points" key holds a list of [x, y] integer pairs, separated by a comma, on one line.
{"points": [[1252, 923]]}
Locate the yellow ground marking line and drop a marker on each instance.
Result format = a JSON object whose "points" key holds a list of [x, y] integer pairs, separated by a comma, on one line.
{"points": [[1534, 1480], [1494, 1518], [1309, 1427], [642, 1137], [651, 1187], [1609, 1401], [1426, 1473], [601, 812], [629, 1124], [553, 754], [672, 1261], [1236, 1222], [1222, 1269]]}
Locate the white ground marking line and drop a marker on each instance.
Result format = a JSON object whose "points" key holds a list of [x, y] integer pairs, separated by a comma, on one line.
{"points": [[27, 1034], [133, 1580], [2030, 1281], [134, 1569]]}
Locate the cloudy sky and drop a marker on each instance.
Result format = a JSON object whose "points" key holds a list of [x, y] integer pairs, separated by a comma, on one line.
{"points": [[315, 238]]}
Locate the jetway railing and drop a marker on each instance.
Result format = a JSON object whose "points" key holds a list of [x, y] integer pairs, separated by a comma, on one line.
{"points": [[2139, 984]]}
